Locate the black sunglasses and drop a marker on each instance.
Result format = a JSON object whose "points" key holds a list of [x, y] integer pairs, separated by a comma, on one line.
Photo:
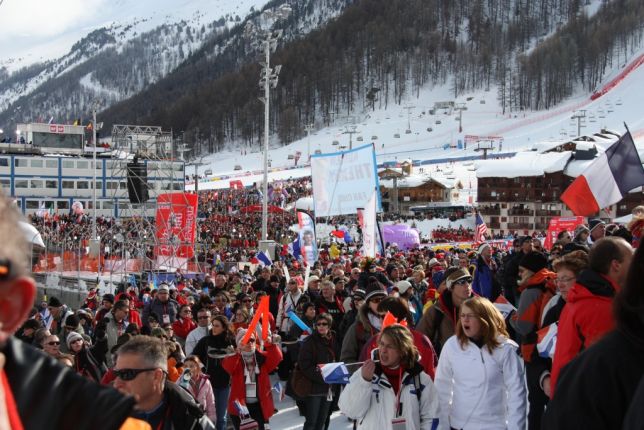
{"points": [[322, 323], [53, 343], [130, 374]]}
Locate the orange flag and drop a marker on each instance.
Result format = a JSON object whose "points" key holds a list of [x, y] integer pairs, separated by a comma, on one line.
{"points": [[262, 309], [390, 319]]}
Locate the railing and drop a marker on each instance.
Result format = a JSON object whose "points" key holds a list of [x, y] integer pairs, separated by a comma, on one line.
{"points": [[523, 212], [548, 213], [519, 226], [488, 210]]}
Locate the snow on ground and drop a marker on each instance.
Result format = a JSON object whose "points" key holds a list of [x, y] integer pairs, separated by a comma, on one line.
{"points": [[436, 136]]}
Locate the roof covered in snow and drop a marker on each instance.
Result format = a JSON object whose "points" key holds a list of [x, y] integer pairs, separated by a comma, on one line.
{"points": [[530, 163], [413, 181]]}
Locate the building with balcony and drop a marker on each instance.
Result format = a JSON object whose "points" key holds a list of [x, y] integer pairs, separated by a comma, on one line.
{"points": [[522, 193]]}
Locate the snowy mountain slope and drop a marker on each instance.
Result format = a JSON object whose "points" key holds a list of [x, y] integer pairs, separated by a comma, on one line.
{"points": [[112, 59], [387, 130]]}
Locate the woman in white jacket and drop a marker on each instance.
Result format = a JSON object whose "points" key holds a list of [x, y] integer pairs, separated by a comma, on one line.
{"points": [[480, 376], [394, 393]]}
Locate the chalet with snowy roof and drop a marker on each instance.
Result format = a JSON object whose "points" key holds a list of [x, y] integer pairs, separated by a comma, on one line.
{"points": [[523, 192], [401, 189]]}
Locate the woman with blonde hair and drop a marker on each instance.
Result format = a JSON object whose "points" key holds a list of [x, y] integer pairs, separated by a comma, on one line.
{"points": [[392, 391], [480, 378]]}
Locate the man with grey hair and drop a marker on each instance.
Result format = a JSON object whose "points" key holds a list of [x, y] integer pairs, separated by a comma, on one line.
{"points": [[141, 371], [64, 399]]}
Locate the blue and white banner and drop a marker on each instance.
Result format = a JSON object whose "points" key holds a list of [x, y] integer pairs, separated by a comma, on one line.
{"points": [[344, 181], [264, 259]]}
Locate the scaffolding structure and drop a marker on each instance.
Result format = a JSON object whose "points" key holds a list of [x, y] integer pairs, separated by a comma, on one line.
{"points": [[148, 164]]}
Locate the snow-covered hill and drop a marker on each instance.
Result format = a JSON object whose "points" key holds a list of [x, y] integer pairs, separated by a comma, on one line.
{"points": [[412, 132]]}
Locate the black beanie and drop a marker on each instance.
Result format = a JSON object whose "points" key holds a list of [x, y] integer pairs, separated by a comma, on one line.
{"points": [[54, 302], [534, 261], [72, 321]]}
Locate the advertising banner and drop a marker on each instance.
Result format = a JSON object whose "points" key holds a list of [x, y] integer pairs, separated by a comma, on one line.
{"points": [[559, 224], [176, 224], [344, 181]]}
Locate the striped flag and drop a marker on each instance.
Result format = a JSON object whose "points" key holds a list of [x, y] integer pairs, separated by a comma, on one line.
{"points": [[279, 389], [481, 229], [607, 180]]}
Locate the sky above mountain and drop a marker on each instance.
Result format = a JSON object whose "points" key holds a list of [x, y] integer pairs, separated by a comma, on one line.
{"points": [[37, 30]]}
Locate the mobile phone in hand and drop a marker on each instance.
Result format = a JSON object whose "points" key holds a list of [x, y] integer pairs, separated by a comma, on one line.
{"points": [[375, 354]]}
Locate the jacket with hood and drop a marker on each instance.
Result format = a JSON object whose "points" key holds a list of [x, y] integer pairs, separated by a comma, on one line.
{"points": [[317, 350], [536, 292], [373, 403], [586, 317], [211, 350], [481, 390], [357, 336], [439, 321]]}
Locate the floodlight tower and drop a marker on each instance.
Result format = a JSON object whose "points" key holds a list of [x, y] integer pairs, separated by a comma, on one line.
{"points": [[263, 36]]}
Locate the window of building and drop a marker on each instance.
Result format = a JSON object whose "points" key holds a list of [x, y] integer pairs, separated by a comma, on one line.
{"points": [[68, 164], [32, 204], [123, 185], [36, 163], [21, 183], [178, 186], [51, 164], [5, 183], [51, 184], [69, 185], [21, 162], [36, 183], [108, 205], [82, 164], [63, 204], [82, 185], [4, 162]]}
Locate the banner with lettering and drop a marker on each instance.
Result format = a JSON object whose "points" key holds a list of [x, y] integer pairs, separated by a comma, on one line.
{"points": [[344, 181], [176, 224], [559, 224]]}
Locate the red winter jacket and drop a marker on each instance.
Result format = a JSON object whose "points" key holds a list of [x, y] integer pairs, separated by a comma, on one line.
{"points": [[268, 360], [428, 357], [183, 326], [586, 317]]}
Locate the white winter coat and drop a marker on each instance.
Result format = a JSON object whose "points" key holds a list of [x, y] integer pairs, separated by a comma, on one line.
{"points": [[479, 390], [373, 403]]}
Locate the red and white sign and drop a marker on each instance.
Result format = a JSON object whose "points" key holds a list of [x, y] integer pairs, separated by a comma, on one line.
{"points": [[176, 224], [559, 224]]}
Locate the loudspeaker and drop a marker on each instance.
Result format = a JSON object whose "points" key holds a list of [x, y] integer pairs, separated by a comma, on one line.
{"points": [[137, 182]]}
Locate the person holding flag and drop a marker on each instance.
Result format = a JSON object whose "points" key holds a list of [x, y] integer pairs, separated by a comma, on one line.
{"points": [[251, 387], [392, 391], [319, 348]]}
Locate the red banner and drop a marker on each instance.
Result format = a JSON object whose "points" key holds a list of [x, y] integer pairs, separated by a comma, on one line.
{"points": [[176, 224], [559, 224]]}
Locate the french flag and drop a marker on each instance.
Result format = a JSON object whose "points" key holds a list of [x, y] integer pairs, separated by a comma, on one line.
{"points": [[607, 180], [547, 341], [263, 259], [334, 373]]}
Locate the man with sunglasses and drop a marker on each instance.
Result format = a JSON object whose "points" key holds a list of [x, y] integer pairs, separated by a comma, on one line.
{"points": [[141, 371], [202, 330], [29, 378]]}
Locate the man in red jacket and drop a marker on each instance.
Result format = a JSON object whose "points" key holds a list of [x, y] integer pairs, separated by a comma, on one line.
{"points": [[588, 312]]}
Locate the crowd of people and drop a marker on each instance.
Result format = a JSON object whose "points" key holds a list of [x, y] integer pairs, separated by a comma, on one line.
{"points": [[449, 234], [430, 339]]}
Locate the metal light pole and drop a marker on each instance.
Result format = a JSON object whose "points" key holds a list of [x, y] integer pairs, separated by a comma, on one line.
{"points": [[268, 79], [94, 246], [309, 129]]}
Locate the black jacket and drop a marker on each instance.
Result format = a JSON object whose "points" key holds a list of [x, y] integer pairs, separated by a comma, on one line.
{"points": [[51, 396], [210, 350], [317, 350], [186, 414], [594, 390]]}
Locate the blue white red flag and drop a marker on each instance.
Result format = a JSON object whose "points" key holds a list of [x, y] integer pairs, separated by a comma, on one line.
{"points": [[279, 389], [481, 229], [547, 341], [263, 259], [334, 373]]}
